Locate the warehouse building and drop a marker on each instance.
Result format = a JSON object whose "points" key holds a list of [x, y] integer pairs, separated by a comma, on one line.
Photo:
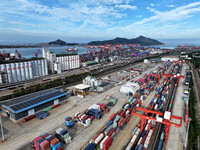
{"points": [[24, 106], [170, 58]]}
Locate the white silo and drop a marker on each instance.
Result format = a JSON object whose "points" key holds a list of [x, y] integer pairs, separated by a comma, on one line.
{"points": [[78, 61], [46, 67], [8, 70], [33, 68], [70, 62], [63, 63], [42, 67], [18, 69], [26, 71], [36, 68], [30, 68], [23, 75], [39, 68], [14, 72], [67, 62], [74, 60], [3, 68]]}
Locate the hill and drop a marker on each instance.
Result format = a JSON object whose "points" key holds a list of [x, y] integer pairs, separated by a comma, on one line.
{"points": [[58, 42], [143, 41]]}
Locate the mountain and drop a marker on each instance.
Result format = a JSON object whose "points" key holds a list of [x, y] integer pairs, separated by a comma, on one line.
{"points": [[143, 41], [58, 42]]}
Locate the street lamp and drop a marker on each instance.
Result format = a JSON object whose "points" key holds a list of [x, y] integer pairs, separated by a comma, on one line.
{"points": [[189, 119], [2, 129]]}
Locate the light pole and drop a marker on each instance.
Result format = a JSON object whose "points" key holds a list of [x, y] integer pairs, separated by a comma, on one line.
{"points": [[2, 129], [187, 132]]}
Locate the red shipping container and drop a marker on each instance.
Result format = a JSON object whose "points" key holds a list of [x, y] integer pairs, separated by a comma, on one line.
{"points": [[123, 113], [46, 135], [143, 139], [96, 136], [107, 110], [54, 141], [60, 148], [119, 122], [44, 145], [149, 127], [111, 132], [119, 113], [54, 106], [29, 118], [107, 143], [112, 116]]}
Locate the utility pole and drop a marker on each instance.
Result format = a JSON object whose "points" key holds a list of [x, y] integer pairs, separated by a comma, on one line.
{"points": [[2, 128], [187, 132]]}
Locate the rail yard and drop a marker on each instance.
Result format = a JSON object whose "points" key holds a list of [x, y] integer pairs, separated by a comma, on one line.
{"points": [[107, 120]]}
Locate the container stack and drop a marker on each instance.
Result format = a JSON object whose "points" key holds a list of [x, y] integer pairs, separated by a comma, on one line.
{"points": [[46, 142], [63, 135], [69, 122]]}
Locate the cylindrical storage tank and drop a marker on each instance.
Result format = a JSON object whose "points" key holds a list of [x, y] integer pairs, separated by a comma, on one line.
{"points": [[23, 75], [18, 68], [30, 67], [67, 62], [33, 68], [78, 62], [39, 68], [42, 66], [3, 68], [14, 72], [36, 68], [73, 61], [45, 67], [70, 62], [62, 66], [26, 71], [9, 72]]}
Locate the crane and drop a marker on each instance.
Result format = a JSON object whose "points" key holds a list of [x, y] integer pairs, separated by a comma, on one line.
{"points": [[18, 54], [37, 52], [178, 76], [153, 74], [164, 118]]}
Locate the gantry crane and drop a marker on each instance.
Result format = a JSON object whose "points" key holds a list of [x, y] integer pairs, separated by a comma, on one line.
{"points": [[153, 74], [178, 76], [177, 61], [18, 54], [164, 118], [37, 52]]}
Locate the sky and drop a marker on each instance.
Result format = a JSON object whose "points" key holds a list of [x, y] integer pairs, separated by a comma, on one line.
{"points": [[87, 20]]}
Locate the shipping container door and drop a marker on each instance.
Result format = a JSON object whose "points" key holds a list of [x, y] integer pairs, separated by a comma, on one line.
{"points": [[31, 112], [56, 101]]}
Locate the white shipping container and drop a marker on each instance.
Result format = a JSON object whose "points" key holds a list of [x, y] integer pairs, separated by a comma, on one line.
{"points": [[14, 72], [133, 139], [8, 70], [101, 144], [140, 140], [99, 138]]}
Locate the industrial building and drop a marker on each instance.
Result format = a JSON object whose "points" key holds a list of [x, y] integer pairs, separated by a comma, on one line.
{"points": [[24, 106], [21, 71], [130, 87], [63, 62], [170, 58]]}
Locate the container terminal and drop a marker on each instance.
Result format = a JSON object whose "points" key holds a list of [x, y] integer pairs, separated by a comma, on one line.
{"points": [[130, 108]]}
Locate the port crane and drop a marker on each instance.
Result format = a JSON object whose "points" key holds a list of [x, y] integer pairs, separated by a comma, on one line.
{"points": [[178, 76], [176, 61], [153, 74], [37, 52], [18, 54], [164, 118]]}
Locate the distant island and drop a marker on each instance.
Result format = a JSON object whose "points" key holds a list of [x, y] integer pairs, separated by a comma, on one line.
{"points": [[50, 44], [143, 41]]}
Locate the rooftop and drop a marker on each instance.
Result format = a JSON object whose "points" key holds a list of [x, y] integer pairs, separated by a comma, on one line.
{"points": [[23, 103]]}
